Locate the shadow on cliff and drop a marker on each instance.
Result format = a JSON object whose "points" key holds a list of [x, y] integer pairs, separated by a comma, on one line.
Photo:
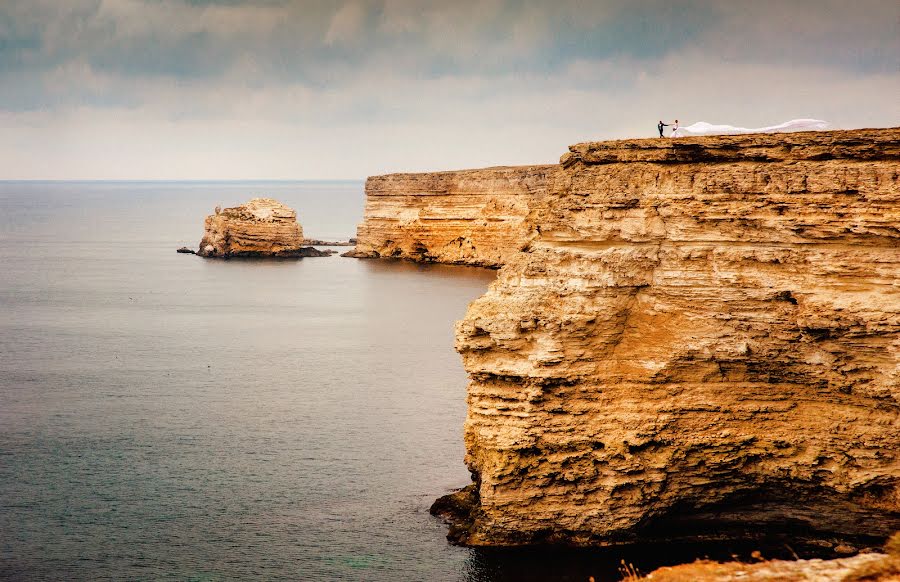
{"points": [[747, 529], [539, 564]]}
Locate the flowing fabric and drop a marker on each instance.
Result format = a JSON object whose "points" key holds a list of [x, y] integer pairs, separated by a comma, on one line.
{"points": [[703, 128]]}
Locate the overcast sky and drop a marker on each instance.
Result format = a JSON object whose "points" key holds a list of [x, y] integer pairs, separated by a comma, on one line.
{"points": [[281, 89]]}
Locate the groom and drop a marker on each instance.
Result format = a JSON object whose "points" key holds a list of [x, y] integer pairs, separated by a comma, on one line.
{"points": [[660, 127]]}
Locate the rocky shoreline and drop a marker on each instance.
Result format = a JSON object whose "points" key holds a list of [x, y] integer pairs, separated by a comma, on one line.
{"points": [[688, 341]]}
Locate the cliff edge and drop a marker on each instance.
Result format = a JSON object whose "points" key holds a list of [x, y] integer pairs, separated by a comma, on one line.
{"points": [[700, 339]]}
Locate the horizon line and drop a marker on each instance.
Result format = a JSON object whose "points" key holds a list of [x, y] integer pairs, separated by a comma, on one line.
{"points": [[173, 181]]}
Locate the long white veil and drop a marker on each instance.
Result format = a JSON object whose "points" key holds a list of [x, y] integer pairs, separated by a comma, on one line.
{"points": [[703, 128]]}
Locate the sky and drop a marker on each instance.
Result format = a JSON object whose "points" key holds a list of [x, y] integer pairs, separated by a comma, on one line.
{"points": [[308, 89]]}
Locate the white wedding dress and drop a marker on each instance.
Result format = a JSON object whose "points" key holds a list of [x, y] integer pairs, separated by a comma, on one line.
{"points": [[703, 128]]}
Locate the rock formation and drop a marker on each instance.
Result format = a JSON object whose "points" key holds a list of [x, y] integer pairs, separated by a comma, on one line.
{"points": [[262, 227], [864, 567], [868, 567], [700, 341], [470, 217], [316, 242]]}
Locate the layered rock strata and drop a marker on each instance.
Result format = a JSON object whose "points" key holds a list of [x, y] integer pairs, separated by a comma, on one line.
{"points": [[700, 341], [262, 227], [470, 217]]}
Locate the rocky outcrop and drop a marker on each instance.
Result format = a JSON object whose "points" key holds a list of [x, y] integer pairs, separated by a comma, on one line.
{"points": [[816, 570], [470, 217], [871, 567], [700, 341], [315, 242], [262, 227]]}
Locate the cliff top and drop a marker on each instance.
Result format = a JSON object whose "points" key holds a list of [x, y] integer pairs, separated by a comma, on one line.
{"points": [[859, 144], [261, 210], [865, 144], [493, 171]]}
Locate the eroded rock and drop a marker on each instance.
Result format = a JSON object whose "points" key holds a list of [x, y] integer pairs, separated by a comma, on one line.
{"points": [[816, 570], [701, 341], [869, 567], [262, 227]]}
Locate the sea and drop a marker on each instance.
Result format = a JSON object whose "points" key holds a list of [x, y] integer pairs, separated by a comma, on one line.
{"points": [[167, 417]]}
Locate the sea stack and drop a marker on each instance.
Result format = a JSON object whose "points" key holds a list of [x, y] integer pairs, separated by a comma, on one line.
{"points": [[263, 227]]}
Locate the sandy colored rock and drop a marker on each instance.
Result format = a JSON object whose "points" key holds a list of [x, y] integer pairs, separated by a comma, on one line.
{"points": [[700, 341], [872, 567], [470, 217], [880, 567], [262, 227]]}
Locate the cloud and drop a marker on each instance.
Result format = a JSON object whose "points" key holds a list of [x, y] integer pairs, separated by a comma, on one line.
{"points": [[287, 89], [861, 36], [346, 25]]}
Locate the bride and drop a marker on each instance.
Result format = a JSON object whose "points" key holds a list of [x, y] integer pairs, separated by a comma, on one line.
{"points": [[703, 128]]}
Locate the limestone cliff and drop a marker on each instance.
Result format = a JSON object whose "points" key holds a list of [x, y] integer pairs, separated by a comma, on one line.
{"points": [[701, 340], [262, 227], [471, 217]]}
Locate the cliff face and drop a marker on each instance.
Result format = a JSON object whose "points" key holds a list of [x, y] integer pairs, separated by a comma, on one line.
{"points": [[471, 217], [261, 228], [701, 340]]}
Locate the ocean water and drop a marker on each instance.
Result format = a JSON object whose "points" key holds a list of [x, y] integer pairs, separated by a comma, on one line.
{"points": [[163, 416]]}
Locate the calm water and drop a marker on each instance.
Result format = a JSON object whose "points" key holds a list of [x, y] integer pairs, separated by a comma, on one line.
{"points": [[164, 416]]}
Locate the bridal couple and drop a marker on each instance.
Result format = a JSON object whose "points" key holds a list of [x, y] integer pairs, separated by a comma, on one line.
{"points": [[661, 125]]}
